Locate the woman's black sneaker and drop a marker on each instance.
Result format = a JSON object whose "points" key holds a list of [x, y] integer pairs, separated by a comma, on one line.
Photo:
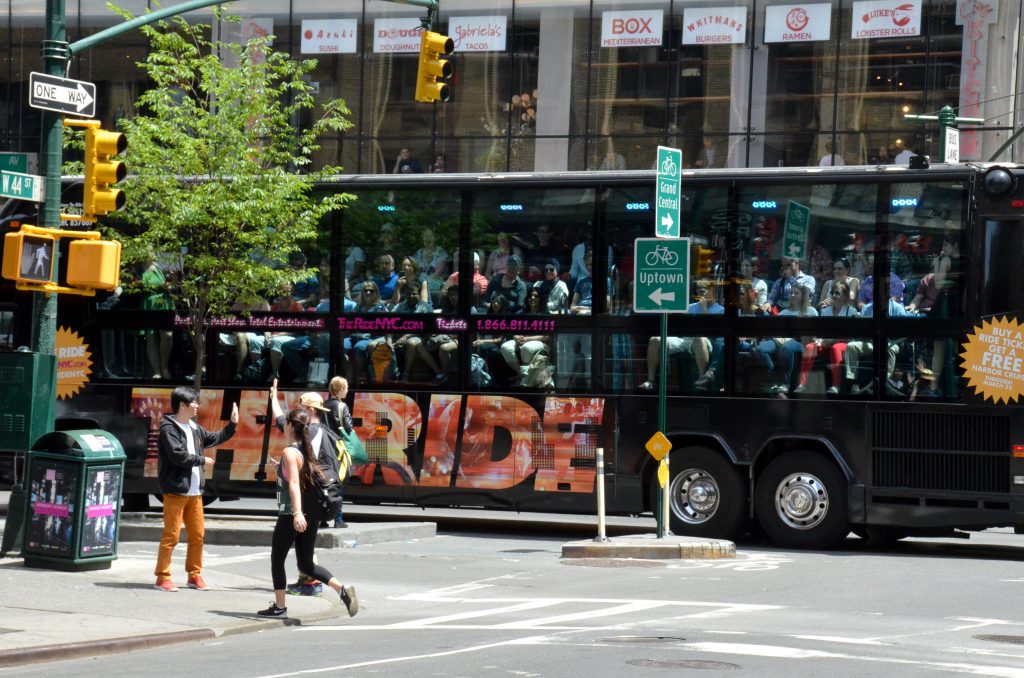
{"points": [[274, 611]]}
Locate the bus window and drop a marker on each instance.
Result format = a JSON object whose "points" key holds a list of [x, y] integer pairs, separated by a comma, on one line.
{"points": [[6, 328], [811, 236], [1002, 268]]}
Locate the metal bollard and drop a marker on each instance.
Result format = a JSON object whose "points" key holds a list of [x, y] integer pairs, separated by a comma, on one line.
{"points": [[601, 534]]}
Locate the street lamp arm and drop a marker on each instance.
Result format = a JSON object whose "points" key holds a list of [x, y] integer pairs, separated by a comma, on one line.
{"points": [[144, 20]]}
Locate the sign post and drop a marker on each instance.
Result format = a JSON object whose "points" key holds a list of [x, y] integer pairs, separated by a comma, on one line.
{"points": [[666, 213], [661, 285]]}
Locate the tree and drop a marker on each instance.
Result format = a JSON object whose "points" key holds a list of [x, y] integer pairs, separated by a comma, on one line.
{"points": [[219, 182]]}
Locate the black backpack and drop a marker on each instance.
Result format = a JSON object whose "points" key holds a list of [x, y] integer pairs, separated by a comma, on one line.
{"points": [[329, 476]]}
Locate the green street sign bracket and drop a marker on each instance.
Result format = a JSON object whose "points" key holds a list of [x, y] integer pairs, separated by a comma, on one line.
{"points": [[662, 281]]}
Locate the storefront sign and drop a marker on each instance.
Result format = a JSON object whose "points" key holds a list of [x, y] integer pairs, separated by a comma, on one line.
{"points": [[885, 19], [632, 28], [994, 360], [396, 35], [714, 25], [798, 23], [74, 363], [328, 36], [478, 33]]}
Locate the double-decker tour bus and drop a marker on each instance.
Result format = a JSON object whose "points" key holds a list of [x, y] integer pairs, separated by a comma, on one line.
{"points": [[850, 358]]}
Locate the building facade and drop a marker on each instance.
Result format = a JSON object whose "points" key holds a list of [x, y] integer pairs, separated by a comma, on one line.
{"points": [[575, 85]]}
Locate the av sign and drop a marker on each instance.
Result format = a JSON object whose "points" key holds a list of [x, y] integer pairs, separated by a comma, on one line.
{"points": [[62, 95], [662, 275]]}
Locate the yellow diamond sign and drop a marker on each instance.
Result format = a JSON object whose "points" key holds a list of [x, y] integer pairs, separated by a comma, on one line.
{"points": [[662, 474], [658, 446]]}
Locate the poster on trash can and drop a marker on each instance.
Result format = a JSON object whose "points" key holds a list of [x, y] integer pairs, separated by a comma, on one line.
{"points": [[51, 487], [102, 492]]}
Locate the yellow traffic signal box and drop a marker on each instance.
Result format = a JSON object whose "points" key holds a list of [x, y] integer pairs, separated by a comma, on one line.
{"points": [[433, 70], [28, 258], [94, 264], [705, 262], [103, 169]]}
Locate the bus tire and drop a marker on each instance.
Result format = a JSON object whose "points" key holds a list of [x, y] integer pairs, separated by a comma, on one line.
{"points": [[801, 502], [707, 494]]}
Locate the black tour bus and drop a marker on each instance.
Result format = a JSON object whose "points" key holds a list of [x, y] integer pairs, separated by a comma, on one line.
{"points": [[831, 373]]}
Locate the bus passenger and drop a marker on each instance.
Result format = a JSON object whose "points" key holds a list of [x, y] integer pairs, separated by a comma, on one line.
{"points": [[528, 356], [479, 281], [583, 291], [553, 290], [534, 302], [360, 344], [547, 248], [386, 280], [841, 306], [432, 260], [782, 351], [759, 287], [498, 257], [859, 350], [840, 274], [790, 276], [508, 285], [410, 274]]}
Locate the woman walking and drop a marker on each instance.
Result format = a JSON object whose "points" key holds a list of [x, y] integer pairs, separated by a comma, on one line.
{"points": [[298, 515]]}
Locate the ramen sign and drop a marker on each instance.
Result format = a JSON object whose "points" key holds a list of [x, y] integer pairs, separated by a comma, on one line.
{"points": [[994, 360]]}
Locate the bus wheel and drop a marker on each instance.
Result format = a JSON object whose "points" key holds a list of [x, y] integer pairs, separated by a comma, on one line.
{"points": [[800, 501], [707, 495]]}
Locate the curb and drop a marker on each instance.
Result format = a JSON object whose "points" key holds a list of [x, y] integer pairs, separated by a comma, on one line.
{"points": [[651, 549], [93, 648]]}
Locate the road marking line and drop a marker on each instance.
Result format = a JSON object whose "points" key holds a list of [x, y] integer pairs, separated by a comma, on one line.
{"points": [[529, 605], [838, 639]]}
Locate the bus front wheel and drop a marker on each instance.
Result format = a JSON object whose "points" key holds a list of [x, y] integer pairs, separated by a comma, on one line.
{"points": [[707, 494], [801, 501]]}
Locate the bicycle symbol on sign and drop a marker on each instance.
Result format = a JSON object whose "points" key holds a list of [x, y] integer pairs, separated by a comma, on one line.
{"points": [[669, 167], [661, 254]]}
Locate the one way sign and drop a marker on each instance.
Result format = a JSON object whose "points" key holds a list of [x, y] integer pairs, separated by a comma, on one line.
{"points": [[62, 95]]}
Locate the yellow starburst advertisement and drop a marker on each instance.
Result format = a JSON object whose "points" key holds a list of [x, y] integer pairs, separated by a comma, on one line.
{"points": [[993, 360], [74, 363]]}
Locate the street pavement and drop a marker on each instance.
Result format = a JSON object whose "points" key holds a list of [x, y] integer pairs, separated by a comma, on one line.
{"points": [[48, 615]]}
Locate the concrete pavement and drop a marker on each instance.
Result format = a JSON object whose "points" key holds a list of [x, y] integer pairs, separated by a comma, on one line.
{"points": [[47, 615]]}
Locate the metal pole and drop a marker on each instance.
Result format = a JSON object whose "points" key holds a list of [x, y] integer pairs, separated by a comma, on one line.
{"points": [[662, 379], [601, 531]]}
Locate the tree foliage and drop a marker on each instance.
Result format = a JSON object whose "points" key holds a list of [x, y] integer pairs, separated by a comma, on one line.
{"points": [[219, 188]]}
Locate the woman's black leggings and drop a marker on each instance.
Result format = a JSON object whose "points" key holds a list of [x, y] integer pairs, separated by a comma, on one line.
{"points": [[284, 536]]}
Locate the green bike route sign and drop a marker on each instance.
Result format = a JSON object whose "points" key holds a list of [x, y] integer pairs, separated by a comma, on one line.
{"points": [[666, 213], [661, 283]]}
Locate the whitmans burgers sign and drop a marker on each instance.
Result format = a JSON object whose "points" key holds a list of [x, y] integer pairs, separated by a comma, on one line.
{"points": [[714, 25], [885, 19]]}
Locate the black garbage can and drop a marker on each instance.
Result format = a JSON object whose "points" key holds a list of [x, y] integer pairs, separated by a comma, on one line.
{"points": [[73, 484]]}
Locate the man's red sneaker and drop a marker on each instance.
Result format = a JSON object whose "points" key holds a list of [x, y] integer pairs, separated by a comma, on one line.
{"points": [[165, 585], [197, 583]]}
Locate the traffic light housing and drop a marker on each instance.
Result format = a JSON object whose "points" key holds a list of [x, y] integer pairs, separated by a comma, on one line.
{"points": [[433, 69], [28, 257], [705, 262], [94, 264], [103, 169]]}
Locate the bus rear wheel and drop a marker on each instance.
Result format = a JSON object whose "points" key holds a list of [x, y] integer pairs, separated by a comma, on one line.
{"points": [[707, 494], [801, 502]]}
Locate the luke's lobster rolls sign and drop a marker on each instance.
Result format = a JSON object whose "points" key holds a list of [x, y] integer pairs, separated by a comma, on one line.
{"points": [[885, 19]]}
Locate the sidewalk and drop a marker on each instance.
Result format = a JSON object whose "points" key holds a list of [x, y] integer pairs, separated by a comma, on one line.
{"points": [[48, 615]]}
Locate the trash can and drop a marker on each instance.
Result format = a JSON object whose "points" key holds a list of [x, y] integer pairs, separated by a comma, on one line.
{"points": [[73, 483]]}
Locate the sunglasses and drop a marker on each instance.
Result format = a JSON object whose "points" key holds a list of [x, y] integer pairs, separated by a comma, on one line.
{"points": [[836, 294], [549, 269], [369, 291]]}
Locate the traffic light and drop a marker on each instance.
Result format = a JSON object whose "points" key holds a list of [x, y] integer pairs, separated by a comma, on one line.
{"points": [[433, 70], [28, 258], [92, 264], [705, 262], [103, 169]]}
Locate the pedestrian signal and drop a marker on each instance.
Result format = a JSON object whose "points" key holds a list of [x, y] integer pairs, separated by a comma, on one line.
{"points": [[433, 70], [94, 264], [28, 258]]}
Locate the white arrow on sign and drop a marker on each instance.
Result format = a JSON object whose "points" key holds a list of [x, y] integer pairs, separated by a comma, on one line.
{"points": [[657, 296], [667, 221], [78, 97]]}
